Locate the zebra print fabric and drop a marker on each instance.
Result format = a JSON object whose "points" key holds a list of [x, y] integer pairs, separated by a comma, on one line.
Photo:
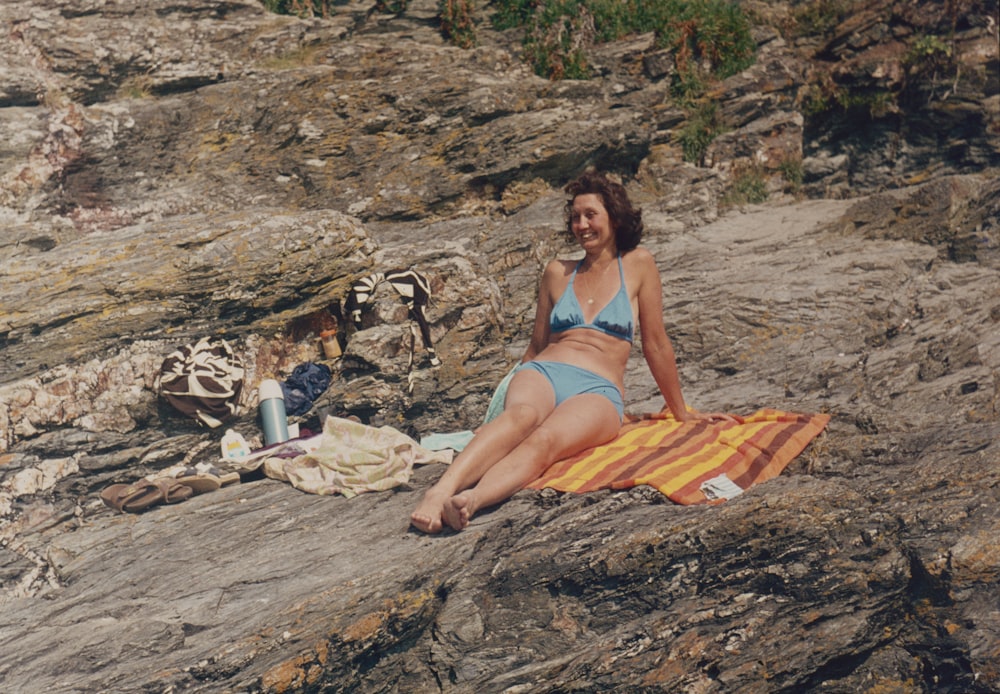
{"points": [[411, 286]]}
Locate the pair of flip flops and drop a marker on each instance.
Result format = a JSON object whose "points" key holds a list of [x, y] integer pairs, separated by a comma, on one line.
{"points": [[204, 478], [135, 498], [146, 493]]}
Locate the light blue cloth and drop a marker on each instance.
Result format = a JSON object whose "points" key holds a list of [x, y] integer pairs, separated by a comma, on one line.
{"points": [[499, 395], [458, 440], [438, 442]]}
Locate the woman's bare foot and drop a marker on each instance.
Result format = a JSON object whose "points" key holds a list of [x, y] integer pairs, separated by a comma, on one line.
{"points": [[429, 514], [460, 509]]}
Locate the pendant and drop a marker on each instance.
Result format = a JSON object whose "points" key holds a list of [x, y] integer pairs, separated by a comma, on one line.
{"points": [[590, 301]]}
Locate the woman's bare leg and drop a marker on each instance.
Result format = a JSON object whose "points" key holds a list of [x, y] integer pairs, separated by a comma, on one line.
{"points": [[580, 422], [529, 400]]}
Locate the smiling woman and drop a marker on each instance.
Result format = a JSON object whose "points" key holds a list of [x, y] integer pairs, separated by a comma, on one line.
{"points": [[567, 394]]}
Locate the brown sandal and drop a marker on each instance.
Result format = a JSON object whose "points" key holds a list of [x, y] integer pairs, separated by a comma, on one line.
{"points": [[201, 482], [134, 498]]}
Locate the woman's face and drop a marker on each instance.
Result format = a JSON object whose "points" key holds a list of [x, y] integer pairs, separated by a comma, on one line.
{"points": [[590, 222]]}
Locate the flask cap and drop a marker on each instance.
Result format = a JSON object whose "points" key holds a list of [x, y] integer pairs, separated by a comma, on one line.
{"points": [[269, 389]]}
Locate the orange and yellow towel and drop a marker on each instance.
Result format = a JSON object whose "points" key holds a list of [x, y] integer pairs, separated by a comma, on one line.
{"points": [[693, 462]]}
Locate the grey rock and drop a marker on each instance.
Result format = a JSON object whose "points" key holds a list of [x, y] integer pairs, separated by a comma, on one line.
{"points": [[174, 170]]}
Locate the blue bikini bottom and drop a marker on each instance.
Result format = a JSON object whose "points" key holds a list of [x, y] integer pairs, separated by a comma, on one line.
{"points": [[568, 380]]}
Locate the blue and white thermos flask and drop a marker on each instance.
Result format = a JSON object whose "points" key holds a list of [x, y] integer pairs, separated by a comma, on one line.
{"points": [[273, 417]]}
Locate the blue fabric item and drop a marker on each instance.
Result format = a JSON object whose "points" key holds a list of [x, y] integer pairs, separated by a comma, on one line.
{"points": [[499, 396], [568, 380], [614, 319], [460, 439], [306, 383], [438, 442]]}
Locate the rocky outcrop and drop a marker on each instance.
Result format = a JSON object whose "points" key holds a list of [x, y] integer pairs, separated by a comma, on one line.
{"points": [[898, 93], [177, 170]]}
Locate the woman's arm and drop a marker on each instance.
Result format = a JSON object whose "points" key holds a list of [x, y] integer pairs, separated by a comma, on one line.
{"points": [[540, 332], [656, 346]]}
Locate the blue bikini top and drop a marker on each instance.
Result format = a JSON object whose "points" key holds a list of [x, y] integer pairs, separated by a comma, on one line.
{"points": [[614, 319]]}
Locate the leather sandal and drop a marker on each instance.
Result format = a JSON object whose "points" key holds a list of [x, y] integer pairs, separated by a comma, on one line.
{"points": [[134, 498]]}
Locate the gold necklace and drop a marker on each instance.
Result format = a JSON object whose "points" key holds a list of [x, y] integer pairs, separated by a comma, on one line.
{"points": [[600, 276]]}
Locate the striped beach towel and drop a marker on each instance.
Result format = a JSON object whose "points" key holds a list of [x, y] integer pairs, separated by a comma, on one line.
{"points": [[692, 462]]}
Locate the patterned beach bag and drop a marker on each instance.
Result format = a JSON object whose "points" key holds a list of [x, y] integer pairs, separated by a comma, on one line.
{"points": [[203, 380]]}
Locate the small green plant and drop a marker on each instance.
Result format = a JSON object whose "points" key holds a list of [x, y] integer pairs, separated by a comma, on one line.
{"points": [[815, 99], [391, 6], [930, 65], [511, 14], [929, 56], [300, 8], [688, 86], [927, 49], [817, 17], [791, 170], [134, 88], [714, 35], [825, 96], [703, 126], [876, 102], [457, 23], [555, 46], [749, 187]]}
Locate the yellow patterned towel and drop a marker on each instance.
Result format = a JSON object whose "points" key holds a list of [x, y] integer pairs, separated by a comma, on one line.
{"points": [[691, 462]]}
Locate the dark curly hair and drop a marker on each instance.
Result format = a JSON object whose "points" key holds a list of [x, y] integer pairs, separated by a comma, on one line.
{"points": [[626, 219]]}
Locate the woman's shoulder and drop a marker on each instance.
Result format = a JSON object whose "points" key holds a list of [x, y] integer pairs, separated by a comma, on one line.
{"points": [[559, 267], [639, 252], [556, 275], [639, 258]]}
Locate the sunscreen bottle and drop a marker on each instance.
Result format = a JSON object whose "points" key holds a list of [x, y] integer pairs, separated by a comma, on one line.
{"points": [[234, 446]]}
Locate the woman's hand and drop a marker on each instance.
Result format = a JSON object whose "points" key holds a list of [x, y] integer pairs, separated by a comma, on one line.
{"points": [[710, 417]]}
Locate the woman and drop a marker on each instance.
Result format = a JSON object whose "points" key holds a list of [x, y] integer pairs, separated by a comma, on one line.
{"points": [[566, 395]]}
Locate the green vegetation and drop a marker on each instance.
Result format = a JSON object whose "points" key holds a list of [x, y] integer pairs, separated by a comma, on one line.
{"points": [[391, 6], [555, 43], [927, 48], [300, 8], [791, 171], [928, 56], [710, 38], [325, 8], [749, 186], [817, 17], [877, 102], [457, 22], [703, 126], [929, 63], [825, 96], [134, 88]]}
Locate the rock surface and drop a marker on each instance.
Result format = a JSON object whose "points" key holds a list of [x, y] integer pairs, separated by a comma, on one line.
{"points": [[172, 170]]}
